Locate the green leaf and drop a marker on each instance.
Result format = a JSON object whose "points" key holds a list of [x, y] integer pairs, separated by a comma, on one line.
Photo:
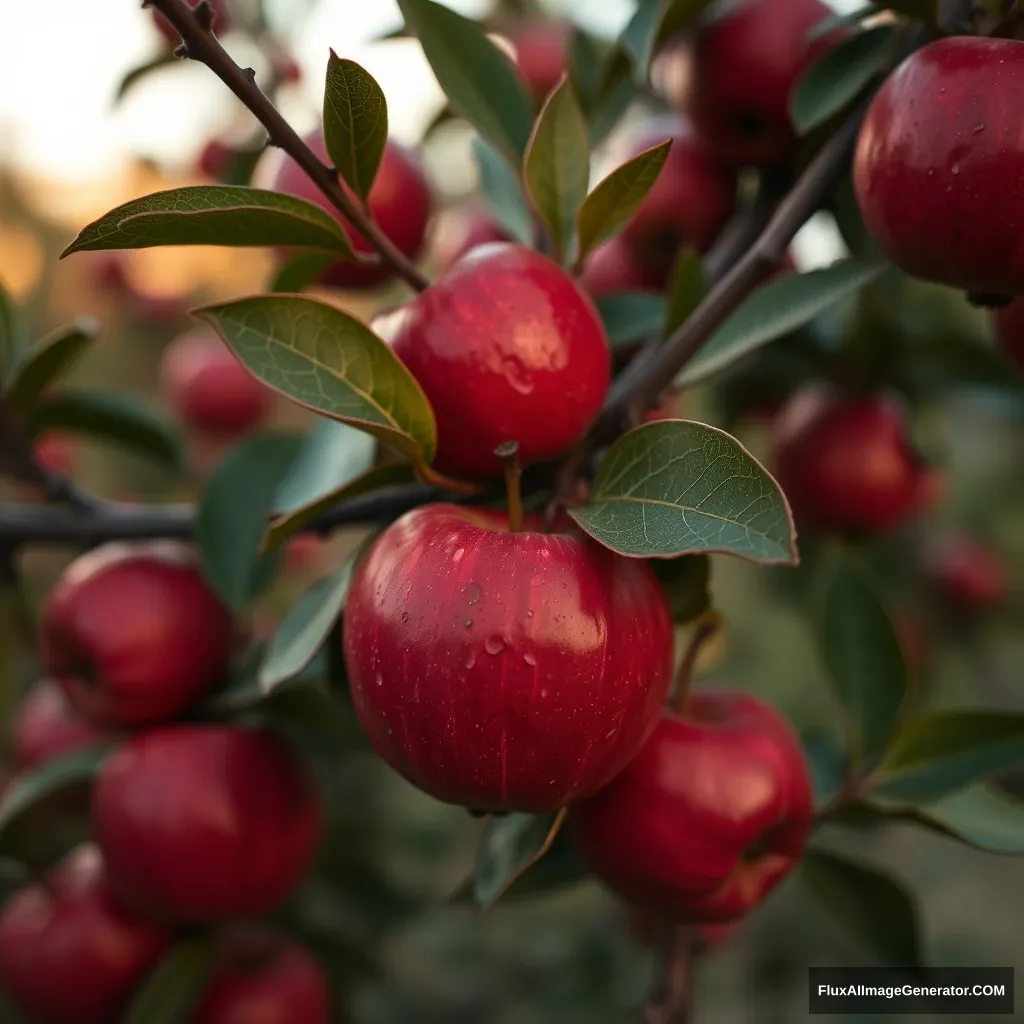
{"points": [[174, 988], [937, 752], [165, 59], [214, 215], [639, 35], [630, 316], [355, 123], [921, 10], [584, 58], [874, 909], [616, 90], [50, 359], [503, 193], [232, 516], [10, 333], [685, 583], [864, 656], [475, 74], [839, 76], [774, 310], [829, 24], [509, 846], [827, 763], [328, 361], [29, 788], [115, 418], [615, 198], [676, 487], [304, 629], [556, 168], [299, 272], [686, 291]]}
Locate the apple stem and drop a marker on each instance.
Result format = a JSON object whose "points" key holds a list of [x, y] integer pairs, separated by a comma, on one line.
{"points": [[508, 452], [671, 1000], [706, 628]]}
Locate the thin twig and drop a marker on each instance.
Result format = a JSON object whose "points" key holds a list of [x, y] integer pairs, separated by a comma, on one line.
{"points": [[200, 44], [672, 997]]}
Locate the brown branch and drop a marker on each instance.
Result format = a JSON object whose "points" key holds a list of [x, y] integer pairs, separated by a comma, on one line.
{"points": [[200, 44], [672, 997]]}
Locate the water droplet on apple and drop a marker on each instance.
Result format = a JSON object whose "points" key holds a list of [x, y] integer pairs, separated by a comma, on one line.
{"points": [[529, 613], [471, 660], [494, 645], [380, 679], [457, 557], [530, 660], [468, 623], [978, 128], [543, 693], [474, 593]]}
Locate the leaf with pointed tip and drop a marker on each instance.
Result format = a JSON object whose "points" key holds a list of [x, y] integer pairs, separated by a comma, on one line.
{"points": [[616, 89], [214, 215], [616, 198], [630, 316], [355, 123], [510, 845], [47, 361], [142, 71], [172, 990], [677, 487], [686, 290], [475, 74], [556, 168], [503, 193], [326, 360], [299, 272], [584, 58]]}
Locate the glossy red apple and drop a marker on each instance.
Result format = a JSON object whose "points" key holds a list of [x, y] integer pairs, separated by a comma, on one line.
{"points": [[209, 389], [845, 463], [1010, 331], [939, 163], [614, 267], [499, 670], [221, 20], [966, 574], [710, 816], [44, 727], [68, 952], [507, 347], [745, 61], [205, 822], [400, 202], [134, 635], [540, 55], [464, 229]]}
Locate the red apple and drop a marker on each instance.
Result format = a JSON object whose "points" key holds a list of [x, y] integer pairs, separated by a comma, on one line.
{"points": [[540, 55], [44, 727], [56, 452], [214, 159], [205, 822], [209, 389], [845, 463], [134, 635], [613, 267], [710, 816], [968, 575], [745, 62], [464, 229], [507, 347], [221, 20], [500, 670], [68, 952], [1010, 331], [939, 163], [400, 202]]}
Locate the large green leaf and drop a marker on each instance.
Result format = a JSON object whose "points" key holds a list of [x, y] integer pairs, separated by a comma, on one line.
{"points": [[616, 89], [50, 359], [327, 360], [676, 487], [355, 123], [214, 215], [839, 76], [475, 74], [686, 290], [556, 168], [503, 193], [232, 516], [584, 59], [29, 788], [862, 650], [173, 989], [653, 22], [509, 846], [774, 310], [615, 198], [630, 316], [937, 752], [878, 912]]}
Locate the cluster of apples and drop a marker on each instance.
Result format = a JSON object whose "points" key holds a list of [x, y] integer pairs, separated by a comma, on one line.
{"points": [[195, 823]]}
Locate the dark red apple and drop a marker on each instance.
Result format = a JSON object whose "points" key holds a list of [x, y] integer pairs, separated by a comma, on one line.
{"points": [[68, 952], [1010, 331], [845, 463], [745, 61], [939, 164], [205, 822], [464, 229], [214, 159], [209, 389], [221, 20], [400, 203], [507, 347], [613, 267], [44, 727], [540, 55], [56, 452], [134, 635], [966, 574], [710, 816], [500, 670]]}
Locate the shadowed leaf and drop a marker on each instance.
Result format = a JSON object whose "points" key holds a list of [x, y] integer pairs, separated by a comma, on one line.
{"points": [[53, 357]]}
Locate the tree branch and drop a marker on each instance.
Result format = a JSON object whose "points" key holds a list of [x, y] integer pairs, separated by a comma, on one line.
{"points": [[673, 991], [202, 45]]}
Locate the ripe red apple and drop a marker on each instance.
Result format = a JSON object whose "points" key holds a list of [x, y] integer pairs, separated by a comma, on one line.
{"points": [[1010, 331], [221, 20], [613, 267], [44, 727], [214, 159], [56, 452], [464, 229], [507, 347], [845, 463], [939, 163], [710, 816], [68, 952], [745, 62], [205, 822], [134, 635], [500, 670], [400, 202], [968, 575], [540, 55], [209, 389]]}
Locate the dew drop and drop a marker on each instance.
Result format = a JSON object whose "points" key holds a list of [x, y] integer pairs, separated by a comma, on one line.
{"points": [[494, 645], [471, 660], [529, 613], [379, 680], [956, 168], [468, 623], [543, 693], [977, 128], [474, 593], [530, 660]]}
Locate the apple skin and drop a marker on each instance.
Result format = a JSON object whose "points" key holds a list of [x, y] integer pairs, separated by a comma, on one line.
{"points": [[540, 55], [134, 635], [209, 389], [201, 823], [710, 816], [400, 202], [845, 463], [221, 20], [464, 229], [938, 165], [507, 347], [745, 63], [1009, 323], [968, 575], [44, 727], [504, 671], [614, 267], [68, 952]]}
